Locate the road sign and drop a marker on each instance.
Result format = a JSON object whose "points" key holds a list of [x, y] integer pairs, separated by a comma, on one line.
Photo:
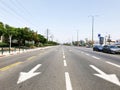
{"points": [[99, 35], [101, 40]]}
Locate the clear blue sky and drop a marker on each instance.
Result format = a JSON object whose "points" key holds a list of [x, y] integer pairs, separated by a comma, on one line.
{"points": [[64, 17]]}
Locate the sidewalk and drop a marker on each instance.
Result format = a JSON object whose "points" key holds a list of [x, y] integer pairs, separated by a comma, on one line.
{"points": [[22, 51]]}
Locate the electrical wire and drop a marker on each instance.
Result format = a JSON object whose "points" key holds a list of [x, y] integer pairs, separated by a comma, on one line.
{"points": [[21, 7], [6, 11], [12, 10], [18, 15]]}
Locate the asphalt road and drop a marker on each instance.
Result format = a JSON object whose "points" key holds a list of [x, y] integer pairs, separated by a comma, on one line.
{"points": [[60, 68]]}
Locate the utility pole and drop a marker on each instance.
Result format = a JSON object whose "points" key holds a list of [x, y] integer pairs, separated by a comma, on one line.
{"points": [[93, 17], [109, 39], [92, 30], [77, 38], [105, 39], [47, 35]]}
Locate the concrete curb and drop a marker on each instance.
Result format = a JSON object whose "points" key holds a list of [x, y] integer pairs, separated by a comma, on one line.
{"points": [[24, 51]]}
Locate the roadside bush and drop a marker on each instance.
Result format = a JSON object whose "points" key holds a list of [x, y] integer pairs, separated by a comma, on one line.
{"points": [[40, 45], [30, 45], [3, 44], [48, 45]]}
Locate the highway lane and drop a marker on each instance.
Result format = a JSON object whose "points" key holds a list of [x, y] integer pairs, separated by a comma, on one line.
{"points": [[51, 77], [106, 55], [114, 58], [59, 68], [82, 75], [7, 60]]}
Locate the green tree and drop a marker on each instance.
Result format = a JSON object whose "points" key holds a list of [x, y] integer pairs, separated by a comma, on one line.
{"points": [[2, 29], [19, 36], [42, 39], [26, 35], [10, 32]]}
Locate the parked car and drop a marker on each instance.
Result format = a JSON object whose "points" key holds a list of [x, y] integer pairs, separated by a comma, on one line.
{"points": [[118, 45], [111, 49], [97, 48]]}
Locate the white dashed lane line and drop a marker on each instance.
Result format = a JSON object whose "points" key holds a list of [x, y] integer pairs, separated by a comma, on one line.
{"points": [[87, 54], [64, 57], [95, 57], [82, 52], [65, 64], [67, 77], [116, 65], [113, 64], [91, 56], [68, 81]]}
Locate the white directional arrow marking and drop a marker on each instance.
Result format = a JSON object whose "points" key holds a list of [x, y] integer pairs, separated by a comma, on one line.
{"points": [[27, 75], [109, 77]]}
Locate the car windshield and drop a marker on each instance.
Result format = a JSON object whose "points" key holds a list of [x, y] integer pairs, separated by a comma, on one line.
{"points": [[113, 46], [100, 46]]}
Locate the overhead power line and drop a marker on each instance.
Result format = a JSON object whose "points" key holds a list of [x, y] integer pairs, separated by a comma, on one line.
{"points": [[22, 6], [3, 15], [16, 13], [12, 10], [25, 11]]}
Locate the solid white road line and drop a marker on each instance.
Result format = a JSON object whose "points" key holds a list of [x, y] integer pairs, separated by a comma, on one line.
{"points": [[65, 64], [113, 64], [95, 57], [68, 81]]}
